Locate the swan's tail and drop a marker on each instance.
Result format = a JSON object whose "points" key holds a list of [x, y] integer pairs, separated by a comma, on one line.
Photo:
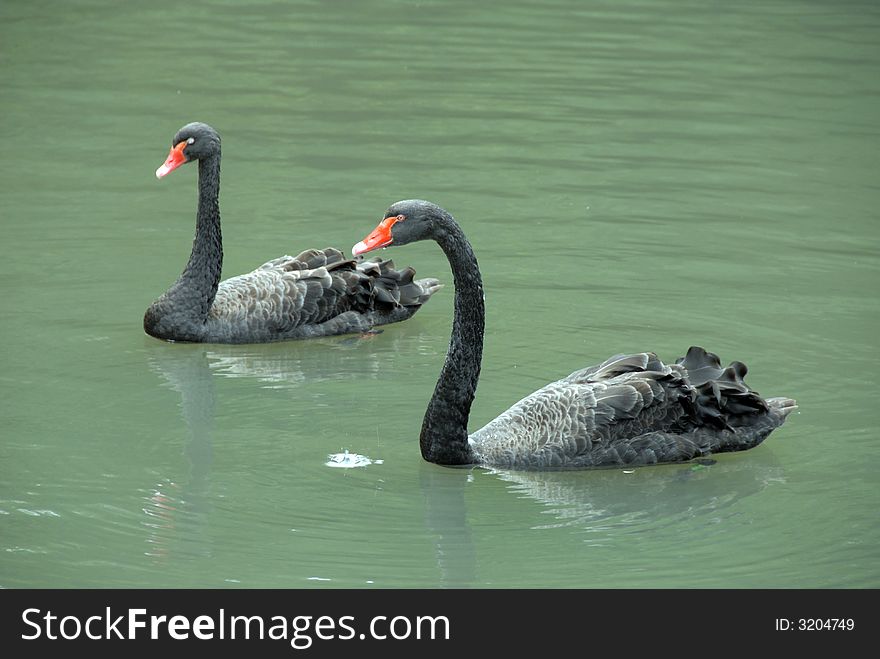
{"points": [[395, 294], [398, 287], [419, 291], [782, 406], [730, 415]]}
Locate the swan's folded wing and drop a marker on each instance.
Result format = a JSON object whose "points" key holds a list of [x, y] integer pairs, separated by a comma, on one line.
{"points": [[313, 287], [569, 423], [283, 294]]}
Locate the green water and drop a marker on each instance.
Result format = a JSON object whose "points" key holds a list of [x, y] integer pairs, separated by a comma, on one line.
{"points": [[633, 176]]}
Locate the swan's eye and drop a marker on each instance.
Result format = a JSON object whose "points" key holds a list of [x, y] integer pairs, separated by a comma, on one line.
{"points": [[191, 140], [400, 218]]}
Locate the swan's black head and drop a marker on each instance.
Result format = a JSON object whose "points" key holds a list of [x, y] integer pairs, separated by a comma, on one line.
{"points": [[405, 222], [193, 141]]}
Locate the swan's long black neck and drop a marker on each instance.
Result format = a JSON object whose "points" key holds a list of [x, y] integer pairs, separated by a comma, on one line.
{"points": [[202, 271], [184, 307], [444, 436]]}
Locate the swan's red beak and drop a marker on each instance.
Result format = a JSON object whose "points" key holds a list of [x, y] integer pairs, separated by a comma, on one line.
{"points": [[174, 160], [379, 237]]}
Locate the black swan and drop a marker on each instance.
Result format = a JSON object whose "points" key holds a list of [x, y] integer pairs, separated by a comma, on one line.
{"points": [[317, 293], [628, 410]]}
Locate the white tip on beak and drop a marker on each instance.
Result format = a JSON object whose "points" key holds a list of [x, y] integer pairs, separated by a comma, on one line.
{"points": [[360, 248], [164, 169]]}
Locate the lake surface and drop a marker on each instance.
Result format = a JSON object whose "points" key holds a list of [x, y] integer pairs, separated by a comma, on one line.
{"points": [[633, 176]]}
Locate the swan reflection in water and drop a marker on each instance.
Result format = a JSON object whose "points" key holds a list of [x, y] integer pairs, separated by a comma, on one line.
{"points": [[176, 512], [598, 506]]}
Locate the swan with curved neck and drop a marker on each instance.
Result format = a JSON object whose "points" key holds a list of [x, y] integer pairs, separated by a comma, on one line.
{"points": [[316, 293], [628, 410]]}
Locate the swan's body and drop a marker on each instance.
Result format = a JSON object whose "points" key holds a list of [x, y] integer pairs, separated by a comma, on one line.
{"points": [[629, 410], [317, 293]]}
